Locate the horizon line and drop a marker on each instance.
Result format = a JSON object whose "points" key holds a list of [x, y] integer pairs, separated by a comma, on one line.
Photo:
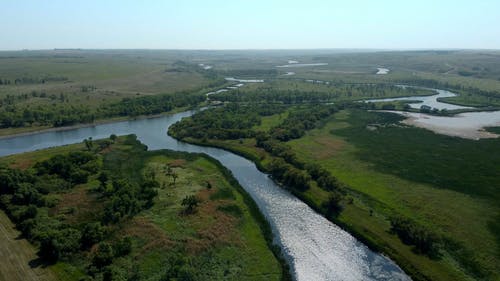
{"points": [[250, 49]]}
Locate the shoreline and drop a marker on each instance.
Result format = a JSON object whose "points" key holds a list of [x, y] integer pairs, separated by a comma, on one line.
{"points": [[87, 125], [382, 249], [473, 132]]}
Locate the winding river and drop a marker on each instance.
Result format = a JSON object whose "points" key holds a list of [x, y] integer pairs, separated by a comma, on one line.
{"points": [[315, 248], [432, 101], [468, 125]]}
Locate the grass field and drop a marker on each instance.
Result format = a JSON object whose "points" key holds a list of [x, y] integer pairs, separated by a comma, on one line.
{"points": [[113, 72], [463, 206], [90, 79], [222, 236]]}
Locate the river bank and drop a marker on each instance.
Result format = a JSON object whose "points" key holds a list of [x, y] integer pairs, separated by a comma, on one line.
{"points": [[315, 248], [468, 125], [27, 131], [349, 225]]}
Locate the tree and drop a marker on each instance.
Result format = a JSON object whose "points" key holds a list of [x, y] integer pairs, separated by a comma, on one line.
{"points": [[88, 143], [333, 206], [103, 256], [174, 176], [123, 247], [150, 173], [190, 202], [103, 178], [58, 243], [92, 233], [168, 170], [113, 137]]}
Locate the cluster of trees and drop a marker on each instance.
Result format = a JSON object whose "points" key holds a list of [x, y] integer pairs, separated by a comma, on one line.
{"points": [[23, 195], [411, 233], [323, 178], [289, 175], [88, 88], [270, 94], [287, 169], [294, 126], [57, 115], [65, 115], [301, 120], [233, 121], [127, 198], [74, 167], [276, 148], [190, 203], [32, 80], [12, 99], [27, 196], [105, 254], [147, 105], [5, 81]]}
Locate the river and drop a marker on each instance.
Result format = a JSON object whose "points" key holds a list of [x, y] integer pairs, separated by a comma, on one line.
{"points": [[468, 125], [431, 101], [315, 248]]}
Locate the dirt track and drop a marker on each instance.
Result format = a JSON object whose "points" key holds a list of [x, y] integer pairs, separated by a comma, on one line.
{"points": [[16, 255]]}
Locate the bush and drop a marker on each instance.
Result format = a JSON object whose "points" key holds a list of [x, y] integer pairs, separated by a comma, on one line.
{"points": [[425, 241], [123, 247], [333, 206], [92, 233], [190, 202], [103, 256], [56, 244]]}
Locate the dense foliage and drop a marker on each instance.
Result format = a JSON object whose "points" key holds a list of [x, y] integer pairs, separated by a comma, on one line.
{"points": [[411, 233], [230, 122], [333, 92], [64, 115], [25, 198], [29, 197], [299, 121]]}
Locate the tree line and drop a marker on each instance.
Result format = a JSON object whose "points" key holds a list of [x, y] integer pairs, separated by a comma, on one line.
{"points": [[31, 80], [65, 115], [269, 94], [425, 241]]}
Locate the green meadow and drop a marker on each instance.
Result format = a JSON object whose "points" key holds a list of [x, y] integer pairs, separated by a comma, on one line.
{"points": [[446, 184]]}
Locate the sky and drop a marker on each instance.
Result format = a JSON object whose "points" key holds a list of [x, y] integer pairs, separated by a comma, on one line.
{"points": [[253, 24]]}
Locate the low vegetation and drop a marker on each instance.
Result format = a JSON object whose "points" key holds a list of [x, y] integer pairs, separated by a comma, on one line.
{"points": [[410, 182], [110, 210]]}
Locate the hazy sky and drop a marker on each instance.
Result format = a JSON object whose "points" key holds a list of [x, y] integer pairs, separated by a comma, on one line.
{"points": [[253, 24]]}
